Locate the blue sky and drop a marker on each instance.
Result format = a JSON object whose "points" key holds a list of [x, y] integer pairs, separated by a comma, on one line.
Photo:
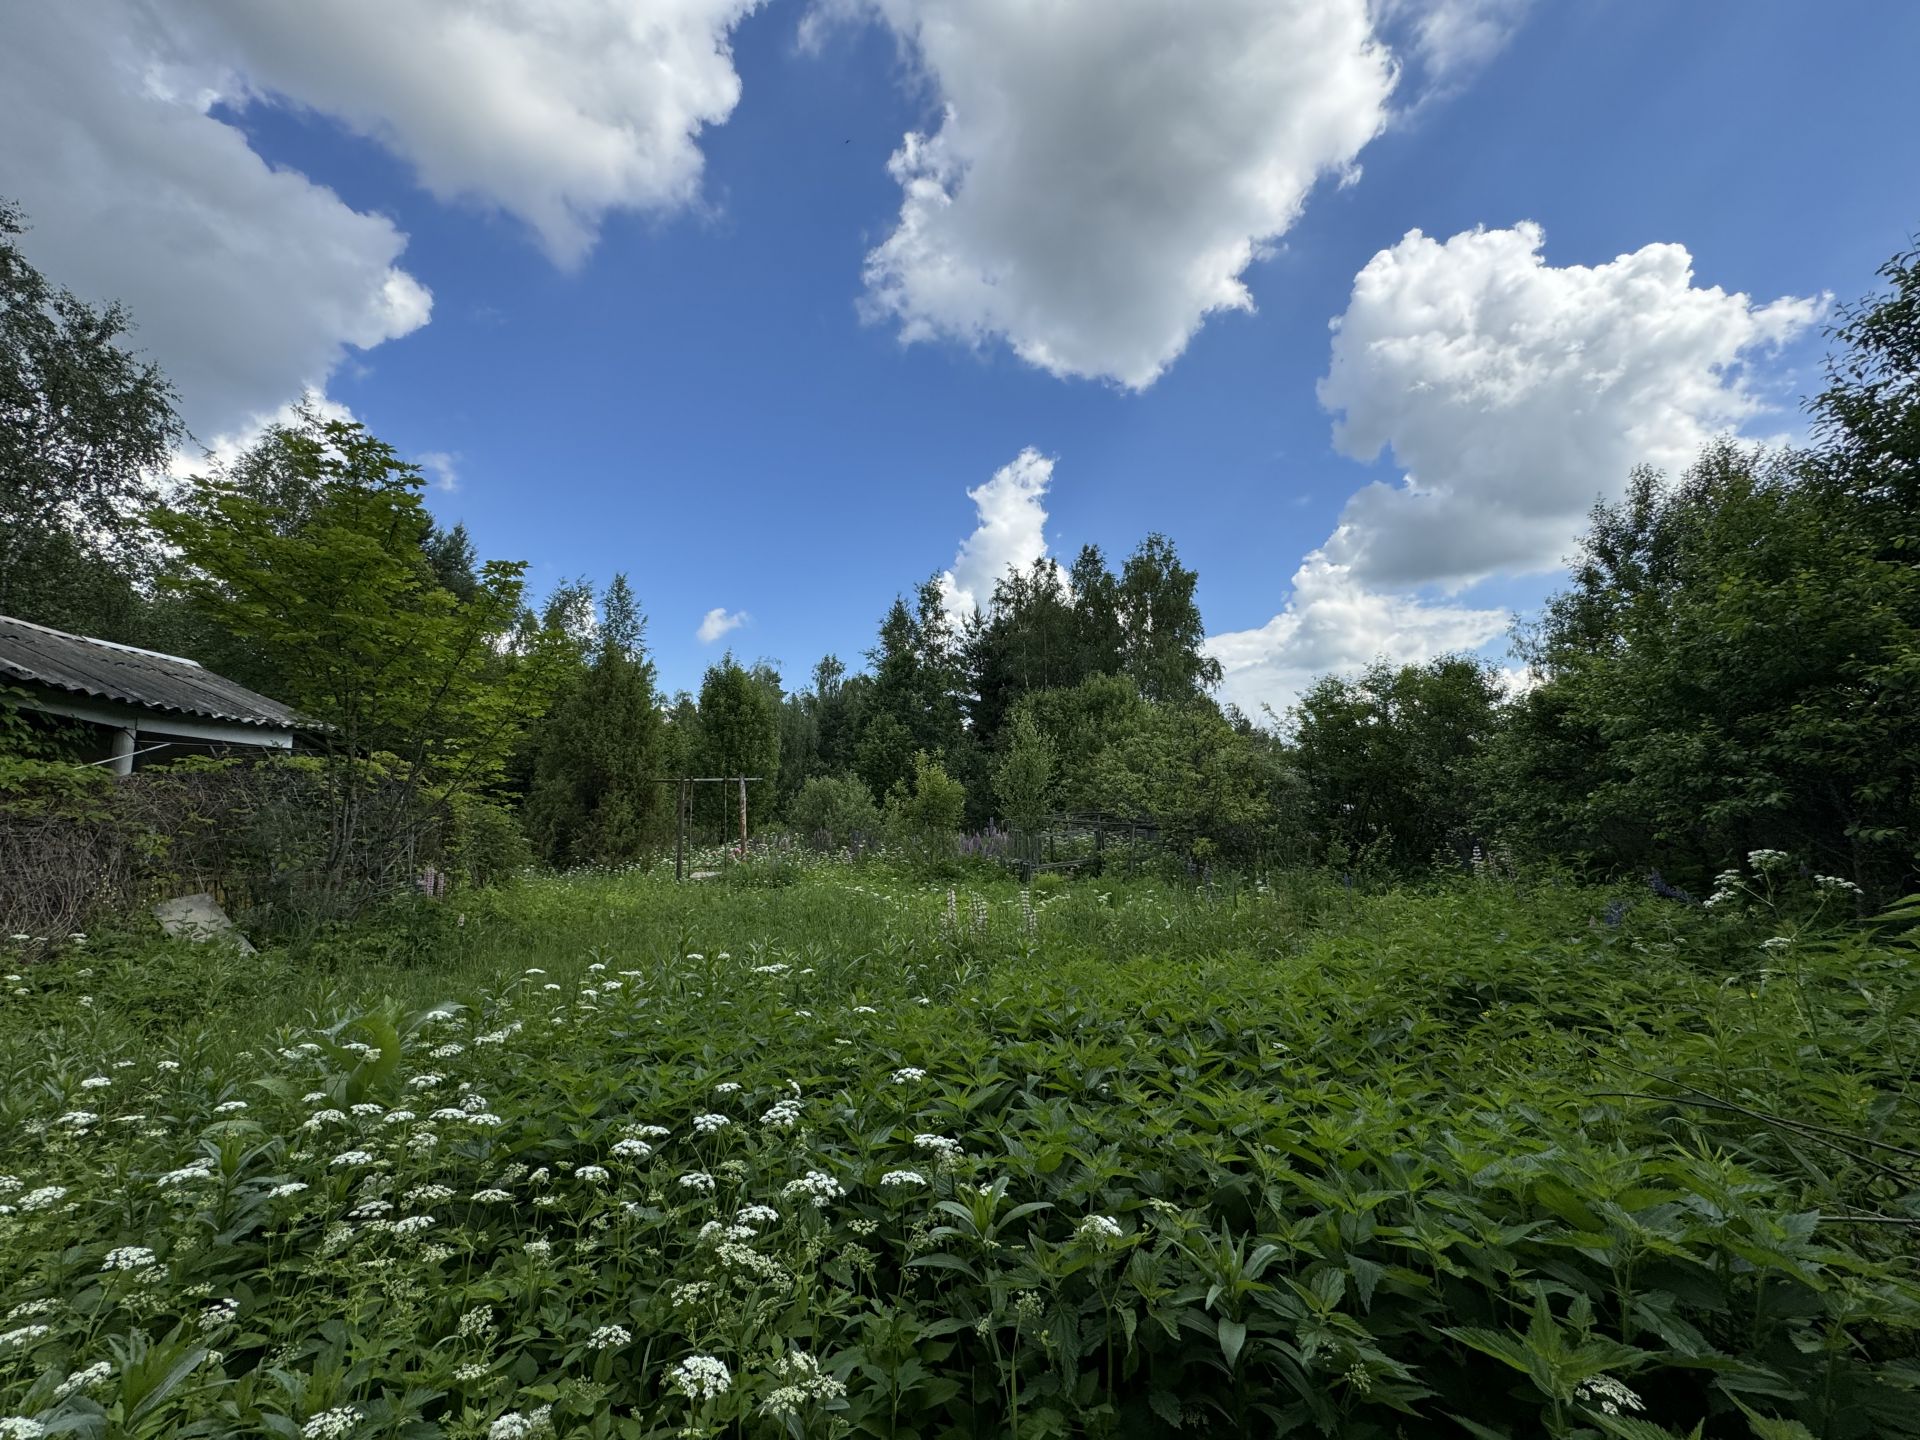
{"points": [[679, 381]]}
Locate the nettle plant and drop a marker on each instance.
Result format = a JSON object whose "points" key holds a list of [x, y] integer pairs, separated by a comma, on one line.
{"points": [[1118, 1176]]}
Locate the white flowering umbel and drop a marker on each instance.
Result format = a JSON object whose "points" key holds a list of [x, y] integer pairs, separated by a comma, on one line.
{"points": [[610, 1337], [802, 1383], [1098, 1229], [333, 1424], [1608, 1393], [816, 1186], [700, 1377]]}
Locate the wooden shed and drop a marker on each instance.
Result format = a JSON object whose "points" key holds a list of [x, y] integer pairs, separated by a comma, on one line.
{"points": [[144, 705]]}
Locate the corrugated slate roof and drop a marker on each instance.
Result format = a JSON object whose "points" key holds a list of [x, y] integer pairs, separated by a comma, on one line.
{"points": [[147, 678]]}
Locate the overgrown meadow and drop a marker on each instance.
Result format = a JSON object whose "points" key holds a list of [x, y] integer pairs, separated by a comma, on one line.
{"points": [[841, 1153]]}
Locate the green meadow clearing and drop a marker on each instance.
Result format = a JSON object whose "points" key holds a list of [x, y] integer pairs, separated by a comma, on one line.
{"points": [[827, 1151]]}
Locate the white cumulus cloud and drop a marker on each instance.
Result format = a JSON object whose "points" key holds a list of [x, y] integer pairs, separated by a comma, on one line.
{"points": [[249, 284], [441, 469], [1011, 533], [556, 114], [1512, 394], [1332, 624], [719, 621], [1104, 171]]}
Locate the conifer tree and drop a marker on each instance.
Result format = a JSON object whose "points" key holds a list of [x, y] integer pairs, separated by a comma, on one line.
{"points": [[593, 799]]}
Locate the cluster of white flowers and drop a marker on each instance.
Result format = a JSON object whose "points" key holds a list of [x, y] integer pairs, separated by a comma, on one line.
{"points": [[539, 1249], [79, 1119], [865, 1010], [903, 1178], [322, 1118], [707, 1124], [515, 1426], [347, 1159], [43, 1198], [19, 1427], [727, 1087], [220, 1312], [697, 1180], [691, 1293], [816, 1186], [398, 1117], [291, 1187], [95, 1082], [94, 1374], [166, 1065], [1776, 942], [447, 1050], [610, 1337], [1098, 1228], [777, 967], [1768, 859], [939, 1145], [1835, 882], [646, 1132], [631, 1149], [187, 1174], [700, 1377], [907, 1074], [229, 1107], [500, 1036], [331, 1424], [757, 1215], [405, 1225], [593, 1174], [128, 1257], [1610, 1394], [782, 1114], [24, 1335], [492, 1197], [427, 1081], [802, 1382]]}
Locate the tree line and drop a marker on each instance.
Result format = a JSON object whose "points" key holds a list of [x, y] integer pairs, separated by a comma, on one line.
{"points": [[1732, 665]]}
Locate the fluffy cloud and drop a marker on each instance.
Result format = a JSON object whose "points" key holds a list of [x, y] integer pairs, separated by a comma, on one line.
{"points": [[1013, 518], [1334, 624], [1451, 38], [718, 621], [442, 468], [556, 114], [1513, 393], [1104, 171], [248, 283]]}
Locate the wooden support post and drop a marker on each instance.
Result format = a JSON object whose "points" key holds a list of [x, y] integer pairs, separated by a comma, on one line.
{"points": [[681, 801], [743, 817]]}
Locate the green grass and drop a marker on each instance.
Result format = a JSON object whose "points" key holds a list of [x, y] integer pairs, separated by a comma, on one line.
{"points": [[1469, 1160]]}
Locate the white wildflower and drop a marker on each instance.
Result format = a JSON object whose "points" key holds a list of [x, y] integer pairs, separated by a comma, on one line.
{"points": [[1099, 1228], [896, 1179], [128, 1257], [347, 1159], [86, 1379], [609, 1337], [700, 1377], [907, 1074], [229, 1107], [593, 1174], [96, 1082], [331, 1424], [632, 1149], [816, 1186], [292, 1187], [697, 1180], [707, 1124]]}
